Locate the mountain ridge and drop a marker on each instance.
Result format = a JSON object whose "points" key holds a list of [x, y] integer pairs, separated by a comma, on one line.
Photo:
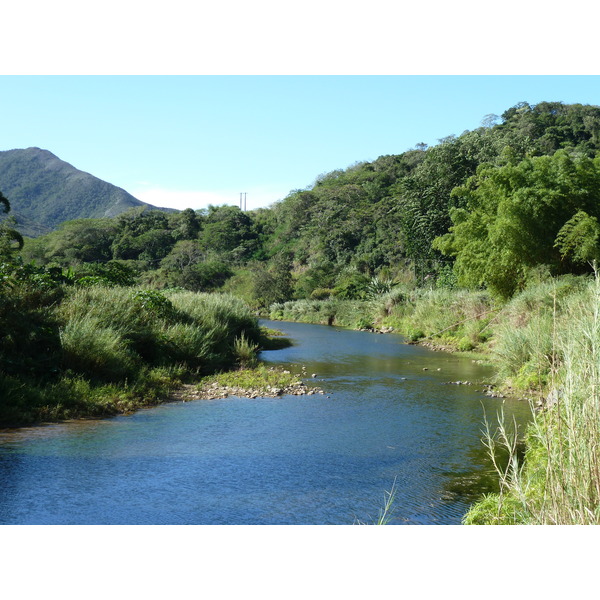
{"points": [[45, 191]]}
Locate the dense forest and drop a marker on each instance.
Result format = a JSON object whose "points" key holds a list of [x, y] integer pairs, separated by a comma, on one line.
{"points": [[480, 209]]}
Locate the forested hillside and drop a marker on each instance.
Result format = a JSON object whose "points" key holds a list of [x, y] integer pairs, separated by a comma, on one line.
{"points": [[479, 209], [45, 191]]}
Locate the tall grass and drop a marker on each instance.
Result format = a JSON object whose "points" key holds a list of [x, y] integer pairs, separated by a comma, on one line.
{"points": [[559, 481], [90, 347], [345, 313], [112, 349]]}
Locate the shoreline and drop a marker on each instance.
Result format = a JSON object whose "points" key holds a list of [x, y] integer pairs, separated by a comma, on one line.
{"points": [[497, 389], [271, 382]]}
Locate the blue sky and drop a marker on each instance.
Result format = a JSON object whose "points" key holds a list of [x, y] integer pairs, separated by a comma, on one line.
{"points": [[193, 140]]}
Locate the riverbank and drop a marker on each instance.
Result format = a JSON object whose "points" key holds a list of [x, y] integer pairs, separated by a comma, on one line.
{"points": [[514, 337], [258, 382], [544, 345], [74, 352]]}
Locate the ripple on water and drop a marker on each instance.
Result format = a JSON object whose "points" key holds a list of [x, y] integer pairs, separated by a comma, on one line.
{"points": [[288, 460]]}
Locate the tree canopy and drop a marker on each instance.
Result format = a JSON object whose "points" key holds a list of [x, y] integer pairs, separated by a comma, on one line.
{"points": [[517, 192], [541, 211]]}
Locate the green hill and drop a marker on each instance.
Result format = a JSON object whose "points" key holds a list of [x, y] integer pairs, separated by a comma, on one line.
{"points": [[479, 209], [45, 191]]}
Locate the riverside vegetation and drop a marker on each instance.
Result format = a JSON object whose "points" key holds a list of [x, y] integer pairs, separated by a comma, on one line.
{"points": [[73, 351], [545, 346], [485, 243]]}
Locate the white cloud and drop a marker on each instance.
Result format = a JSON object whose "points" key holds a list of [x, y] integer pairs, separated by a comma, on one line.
{"points": [[196, 199]]}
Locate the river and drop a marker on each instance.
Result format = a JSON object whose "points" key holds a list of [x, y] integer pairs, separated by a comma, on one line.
{"points": [[389, 415]]}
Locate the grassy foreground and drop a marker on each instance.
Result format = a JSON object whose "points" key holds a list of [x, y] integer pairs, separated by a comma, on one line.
{"points": [[71, 352], [545, 346]]}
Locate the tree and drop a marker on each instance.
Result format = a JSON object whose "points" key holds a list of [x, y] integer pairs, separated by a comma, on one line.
{"points": [[10, 239], [522, 215], [270, 285], [230, 231], [185, 225], [579, 239], [187, 266]]}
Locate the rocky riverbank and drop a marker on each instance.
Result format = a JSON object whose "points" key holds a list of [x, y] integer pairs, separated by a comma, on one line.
{"points": [[260, 382]]}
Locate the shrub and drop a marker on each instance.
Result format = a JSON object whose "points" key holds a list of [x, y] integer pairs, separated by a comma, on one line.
{"points": [[96, 351], [245, 352]]}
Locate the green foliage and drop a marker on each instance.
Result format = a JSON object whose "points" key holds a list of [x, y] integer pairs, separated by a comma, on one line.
{"points": [[101, 352], [259, 379], [578, 239], [446, 278], [274, 284], [343, 313], [514, 215], [558, 481], [319, 276], [229, 230], [73, 243], [245, 352], [322, 293], [352, 285], [378, 286], [69, 351], [500, 199], [187, 266], [10, 239], [526, 331], [152, 302]]}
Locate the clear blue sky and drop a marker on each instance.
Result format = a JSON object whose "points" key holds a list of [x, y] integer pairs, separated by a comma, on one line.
{"points": [[198, 139], [192, 140]]}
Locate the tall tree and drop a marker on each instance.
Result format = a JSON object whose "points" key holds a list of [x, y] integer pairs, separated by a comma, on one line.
{"points": [[512, 218]]}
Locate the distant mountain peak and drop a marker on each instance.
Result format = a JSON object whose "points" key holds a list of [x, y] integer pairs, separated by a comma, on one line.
{"points": [[44, 191]]}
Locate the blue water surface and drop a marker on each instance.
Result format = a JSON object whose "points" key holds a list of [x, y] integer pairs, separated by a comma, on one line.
{"points": [[389, 417]]}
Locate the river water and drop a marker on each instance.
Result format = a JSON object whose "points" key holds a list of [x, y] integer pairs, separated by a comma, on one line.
{"points": [[389, 414]]}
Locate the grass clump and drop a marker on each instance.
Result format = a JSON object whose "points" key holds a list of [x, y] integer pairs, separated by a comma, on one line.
{"points": [[92, 351], [259, 377], [245, 352], [558, 482]]}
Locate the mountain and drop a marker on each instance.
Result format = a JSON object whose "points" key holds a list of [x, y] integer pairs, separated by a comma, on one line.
{"points": [[44, 191]]}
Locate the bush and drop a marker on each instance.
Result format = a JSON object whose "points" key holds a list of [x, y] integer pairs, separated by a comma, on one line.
{"points": [[245, 352], [98, 352]]}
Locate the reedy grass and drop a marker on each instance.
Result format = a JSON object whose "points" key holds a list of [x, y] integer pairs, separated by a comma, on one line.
{"points": [[344, 313], [386, 512], [245, 352], [90, 347], [121, 348], [559, 480]]}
